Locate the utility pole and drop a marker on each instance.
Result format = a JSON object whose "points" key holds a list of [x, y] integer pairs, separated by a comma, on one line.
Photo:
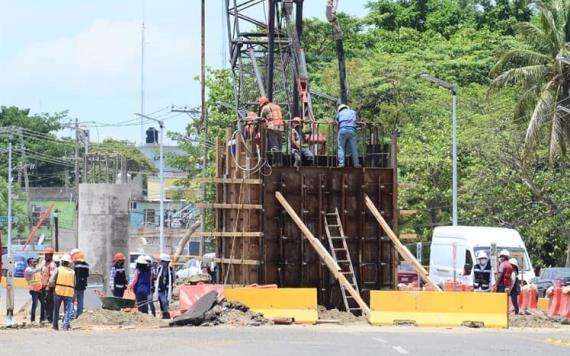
{"points": [[10, 262], [26, 178], [204, 118], [85, 134], [142, 78], [76, 220], [56, 229]]}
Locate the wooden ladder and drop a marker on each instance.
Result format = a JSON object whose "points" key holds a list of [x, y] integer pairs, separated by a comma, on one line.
{"points": [[339, 248]]}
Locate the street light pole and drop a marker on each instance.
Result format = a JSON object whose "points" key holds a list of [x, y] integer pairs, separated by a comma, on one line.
{"points": [[160, 177], [453, 89], [10, 262]]}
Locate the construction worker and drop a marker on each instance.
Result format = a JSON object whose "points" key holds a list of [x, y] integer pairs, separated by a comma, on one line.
{"points": [[118, 281], [48, 269], [273, 117], [483, 277], [346, 119], [81, 269], [63, 282], [33, 275], [299, 151], [140, 284], [504, 280], [150, 298], [165, 283], [515, 287]]}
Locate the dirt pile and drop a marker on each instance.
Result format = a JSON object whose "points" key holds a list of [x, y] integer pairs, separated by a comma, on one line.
{"points": [[114, 318], [235, 314], [341, 317], [536, 320]]}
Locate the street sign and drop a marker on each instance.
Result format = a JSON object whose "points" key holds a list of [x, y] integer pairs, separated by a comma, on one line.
{"points": [[4, 220]]}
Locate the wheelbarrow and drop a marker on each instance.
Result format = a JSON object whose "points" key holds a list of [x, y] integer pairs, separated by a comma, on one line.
{"points": [[115, 303]]}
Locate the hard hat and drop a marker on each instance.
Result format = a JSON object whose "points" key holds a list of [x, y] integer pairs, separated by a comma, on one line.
{"points": [[141, 260], [66, 258], [80, 257], [342, 107], [118, 257], [165, 257], [149, 258], [74, 253], [482, 254], [263, 100], [56, 258], [514, 262], [504, 253], [297, 119], [49, 251]]}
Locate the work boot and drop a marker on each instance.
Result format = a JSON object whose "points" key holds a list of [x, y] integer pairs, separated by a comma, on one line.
{"points": [[165, 315]]}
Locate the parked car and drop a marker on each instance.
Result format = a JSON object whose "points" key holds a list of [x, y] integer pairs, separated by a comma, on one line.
{"points": [[406, 274], [549, 275], [190, 268]]}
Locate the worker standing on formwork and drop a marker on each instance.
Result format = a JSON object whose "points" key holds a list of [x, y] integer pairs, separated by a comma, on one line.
{"points": [[165, 283], [118, 280], [346, 119], [46, 301], [298, 151], [483, 276], [63, 283], [140, 284], [504, 280], [32, 274], [81, 268], [273, 117]]}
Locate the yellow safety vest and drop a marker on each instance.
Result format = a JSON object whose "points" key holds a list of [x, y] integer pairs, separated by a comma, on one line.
{"points": [[35, 283], [65, 282]]}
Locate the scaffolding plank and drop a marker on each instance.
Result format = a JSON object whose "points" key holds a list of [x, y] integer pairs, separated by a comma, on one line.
{"points": [[231, 181], [228, 234], [229, 206]]}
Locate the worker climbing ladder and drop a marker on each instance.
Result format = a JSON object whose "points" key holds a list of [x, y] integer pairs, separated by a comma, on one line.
{"points": [[340, 253]]}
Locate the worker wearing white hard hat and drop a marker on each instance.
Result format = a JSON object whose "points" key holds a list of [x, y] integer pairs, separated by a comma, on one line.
{"points": [[165, 284], [346, 119], [483, 276], [141, 284], [516, 284], [63, 284], [504, 280]]}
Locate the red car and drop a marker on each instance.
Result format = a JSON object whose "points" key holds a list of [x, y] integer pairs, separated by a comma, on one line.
{"points": [[406, 274]]}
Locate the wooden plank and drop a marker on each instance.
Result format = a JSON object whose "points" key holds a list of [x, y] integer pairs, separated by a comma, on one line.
{"points": [[407, 185], [230, 180], [324, 254], [228, 234], [229, 206], [403, 250], [408, 236], [237, 261], [408, 212]]}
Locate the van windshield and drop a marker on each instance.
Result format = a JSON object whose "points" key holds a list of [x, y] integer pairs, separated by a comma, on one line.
{"points": [[516, 252]]}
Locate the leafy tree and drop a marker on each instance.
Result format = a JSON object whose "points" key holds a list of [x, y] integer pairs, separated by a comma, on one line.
{"points": [[536, 68]]}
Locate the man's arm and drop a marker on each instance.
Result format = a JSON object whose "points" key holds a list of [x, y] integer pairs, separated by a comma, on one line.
{"points": [[53, 279]]}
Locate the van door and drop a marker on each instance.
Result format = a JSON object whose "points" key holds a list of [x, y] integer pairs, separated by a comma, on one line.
{"points": [[445, 262]]}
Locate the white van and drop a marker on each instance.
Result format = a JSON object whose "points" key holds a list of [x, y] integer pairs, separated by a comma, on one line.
{"points": [[453, 251]]}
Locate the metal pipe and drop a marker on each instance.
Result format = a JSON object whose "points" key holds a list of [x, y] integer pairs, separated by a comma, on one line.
{"points": [[271, 49], [454, 154]]}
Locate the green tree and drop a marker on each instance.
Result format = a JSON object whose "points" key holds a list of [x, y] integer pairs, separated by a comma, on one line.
{"points": [[536, 68]]}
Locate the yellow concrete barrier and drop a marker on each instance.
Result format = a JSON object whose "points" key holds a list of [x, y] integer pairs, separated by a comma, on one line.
{"points": [[18, 283], [299, 304], [543, 304], [439, 308]]}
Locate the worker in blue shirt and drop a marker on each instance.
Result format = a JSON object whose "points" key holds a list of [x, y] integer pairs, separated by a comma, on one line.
{"points": [[346, 119]]}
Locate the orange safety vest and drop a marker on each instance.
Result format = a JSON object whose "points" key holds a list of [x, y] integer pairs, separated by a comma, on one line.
{"points": [[65, 282], [35, 282], [276, 122]]}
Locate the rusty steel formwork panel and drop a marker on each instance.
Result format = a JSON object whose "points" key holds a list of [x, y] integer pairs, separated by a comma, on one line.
{"points": [[288, 259]]}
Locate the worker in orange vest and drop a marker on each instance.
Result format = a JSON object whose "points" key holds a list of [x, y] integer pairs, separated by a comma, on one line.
{"points": [[273, 117], [32, 274], [63, 283], [46, 301]]}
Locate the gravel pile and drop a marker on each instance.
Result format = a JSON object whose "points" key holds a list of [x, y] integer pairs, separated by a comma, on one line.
{"points": [[341, 317], [114, 318]]}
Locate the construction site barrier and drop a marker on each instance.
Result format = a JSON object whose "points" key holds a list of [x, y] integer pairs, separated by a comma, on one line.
{"points": [[299, 304], [554, 300], [565, 303], [190, 294], [542, 304], [18, 283], [439, 309]]}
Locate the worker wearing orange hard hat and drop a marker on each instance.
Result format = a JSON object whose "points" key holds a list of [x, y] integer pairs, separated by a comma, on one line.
{"points": [[271, 113], [118, 281], [48, 268], [81, 268]]}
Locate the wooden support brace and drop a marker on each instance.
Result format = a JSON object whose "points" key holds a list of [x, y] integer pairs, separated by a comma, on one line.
{"points": [[228, 206], [402, 250], [228, 234], [324, 254], [231, 181]]}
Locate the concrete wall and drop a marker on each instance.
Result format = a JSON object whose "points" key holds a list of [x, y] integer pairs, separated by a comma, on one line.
{"points": [[103, 225]]}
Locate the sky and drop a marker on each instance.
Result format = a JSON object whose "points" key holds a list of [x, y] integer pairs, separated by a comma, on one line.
{"points": [[84, 56]]}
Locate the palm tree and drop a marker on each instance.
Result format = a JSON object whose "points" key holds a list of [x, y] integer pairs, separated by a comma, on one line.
{"points": [[538, 67]]}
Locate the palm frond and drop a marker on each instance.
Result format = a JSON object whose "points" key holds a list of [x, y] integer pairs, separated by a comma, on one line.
{"points": [[556, 137], [525, 101], [549, 12], [531, 32], [544, 110], [533, 75], [519, 55]]}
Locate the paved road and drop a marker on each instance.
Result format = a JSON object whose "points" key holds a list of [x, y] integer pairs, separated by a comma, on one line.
{"points": [[289, 340]]}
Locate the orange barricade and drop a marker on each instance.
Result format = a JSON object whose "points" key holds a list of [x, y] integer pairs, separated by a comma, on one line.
{"points": [[190, 294], [565, 303], [554, 299], [532, 298]]}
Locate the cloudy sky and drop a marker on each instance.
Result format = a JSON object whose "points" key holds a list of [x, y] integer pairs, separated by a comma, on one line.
{"points": [[84, 56]]}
